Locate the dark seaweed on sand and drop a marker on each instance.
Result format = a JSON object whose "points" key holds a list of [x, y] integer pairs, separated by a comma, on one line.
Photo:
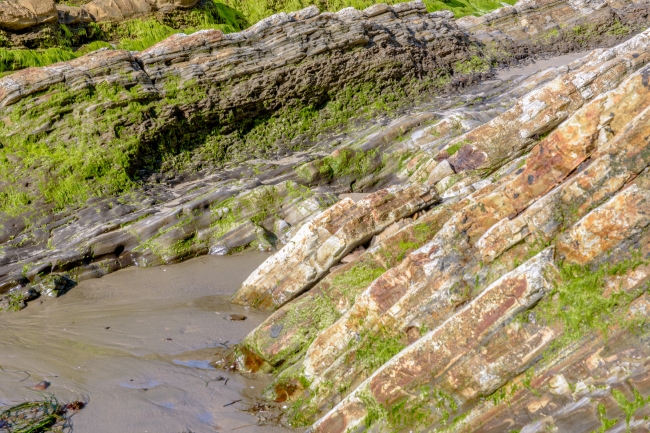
{"points": [[47, 415]]}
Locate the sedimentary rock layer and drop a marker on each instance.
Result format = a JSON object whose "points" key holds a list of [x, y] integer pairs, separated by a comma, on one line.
{"points": [[146, 106], [175, 92], [495, 305]]}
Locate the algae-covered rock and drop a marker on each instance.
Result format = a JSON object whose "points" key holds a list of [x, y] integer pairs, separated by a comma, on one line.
{"points": [[51, 285], [504, 297]]}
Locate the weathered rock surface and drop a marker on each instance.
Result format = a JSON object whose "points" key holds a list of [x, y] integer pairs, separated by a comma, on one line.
{"points": [[493, 311], [325, 240], [120, 10], [19, 15], [22, 14], [210, 81], [501, 279]]}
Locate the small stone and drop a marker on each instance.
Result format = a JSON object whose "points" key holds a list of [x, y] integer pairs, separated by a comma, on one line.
{"points": [[276, 330], [218, 250], [236, 317], [41, 386], [30, 294], [50, 285]]}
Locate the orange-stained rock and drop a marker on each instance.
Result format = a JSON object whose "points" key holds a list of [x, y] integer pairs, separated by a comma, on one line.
{"points": [[324, 241]]}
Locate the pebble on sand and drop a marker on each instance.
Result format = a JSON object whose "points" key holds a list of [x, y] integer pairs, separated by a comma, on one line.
{"points": [[41, 386]]}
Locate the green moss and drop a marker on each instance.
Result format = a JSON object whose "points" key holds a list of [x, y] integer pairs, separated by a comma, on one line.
{"points": [[375, 412], [550, 35], [13, 202], [15, 302], [474, 65], [618, 29], [14, 59], [578, 302], [451, 150], [606, 423], [428, 405], [358, 277], [629, 408], [301, 413], [376, 348]]}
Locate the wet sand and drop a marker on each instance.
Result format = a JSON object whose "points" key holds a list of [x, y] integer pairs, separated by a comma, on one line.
{"points": [[540, 65], [137, 345]]}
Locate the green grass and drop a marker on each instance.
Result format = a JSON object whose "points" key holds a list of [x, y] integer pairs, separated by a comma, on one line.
{"points": [[376, 348], [11, 60], [578, 302], [256, 10]]}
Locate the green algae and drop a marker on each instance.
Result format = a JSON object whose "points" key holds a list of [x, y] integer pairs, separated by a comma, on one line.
{"points": [[426, 406], [375, 348], [629, 408], [473, 65], [578, 302], [358, 277], [606, 423]]}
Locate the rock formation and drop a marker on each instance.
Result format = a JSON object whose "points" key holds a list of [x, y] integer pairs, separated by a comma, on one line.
{"points": [[494, 276], [170, 97], [23, 14], [497, 305]]}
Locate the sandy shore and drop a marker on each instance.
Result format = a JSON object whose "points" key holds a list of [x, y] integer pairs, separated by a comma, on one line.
{"points": [[137, 346]]}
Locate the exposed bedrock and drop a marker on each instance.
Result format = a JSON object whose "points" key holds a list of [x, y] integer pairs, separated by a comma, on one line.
{"points": [[21, 15], [109, 122], [495, 276], [172, 96], [519, 303]]}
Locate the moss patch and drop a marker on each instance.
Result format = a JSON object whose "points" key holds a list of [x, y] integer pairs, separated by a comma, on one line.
{"points": [[578, 302]]}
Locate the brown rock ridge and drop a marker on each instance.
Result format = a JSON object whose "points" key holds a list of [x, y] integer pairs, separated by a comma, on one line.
{"points": [[19, 15], [22, 14], [498, 313]]}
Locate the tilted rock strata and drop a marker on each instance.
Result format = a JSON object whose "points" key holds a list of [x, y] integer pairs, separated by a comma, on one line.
{"points": [[215, 80], [325, 240], [547, 101], [583, 189]]}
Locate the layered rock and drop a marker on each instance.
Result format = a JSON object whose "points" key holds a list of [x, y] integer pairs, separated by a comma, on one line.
{"points": [[325, 240], [217, 81], [494, 278], [214, 81], [455, 331], [120, 10]]}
